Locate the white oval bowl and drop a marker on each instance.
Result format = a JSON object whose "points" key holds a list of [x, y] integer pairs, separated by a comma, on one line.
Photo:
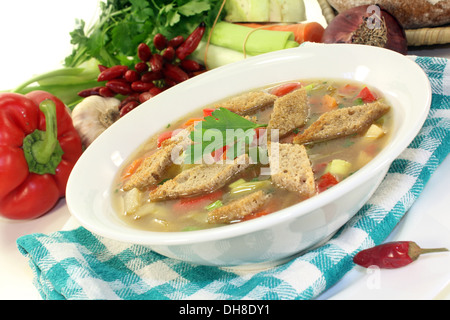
{"points": [[281, 235]]}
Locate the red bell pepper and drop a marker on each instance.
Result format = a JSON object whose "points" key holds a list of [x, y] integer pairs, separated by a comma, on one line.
{"points": [[326, 181], [366, 95], [38, 149]]}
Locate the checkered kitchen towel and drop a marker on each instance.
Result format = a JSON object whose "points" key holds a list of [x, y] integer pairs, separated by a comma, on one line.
{"points": [[77, 264]]}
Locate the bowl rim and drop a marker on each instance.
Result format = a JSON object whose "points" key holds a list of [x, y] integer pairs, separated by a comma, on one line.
{"points": [[379, 163]]}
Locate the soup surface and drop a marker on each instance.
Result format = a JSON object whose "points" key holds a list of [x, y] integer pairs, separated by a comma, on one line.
{"points": [[252, 154]]}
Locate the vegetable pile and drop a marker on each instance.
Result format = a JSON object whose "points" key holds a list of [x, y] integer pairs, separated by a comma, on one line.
{"points": [[138, 48]]}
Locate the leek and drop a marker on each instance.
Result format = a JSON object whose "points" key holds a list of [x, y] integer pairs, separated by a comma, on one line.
{"points": [[249, 187], [216, 56], [215, 205]]}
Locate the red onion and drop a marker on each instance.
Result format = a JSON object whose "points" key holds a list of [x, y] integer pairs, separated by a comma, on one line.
{"points": [[369, 25]]}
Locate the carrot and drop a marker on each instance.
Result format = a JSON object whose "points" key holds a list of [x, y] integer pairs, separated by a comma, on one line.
{"points": [[255, 215], [329, 103], [131, 169], [303, 32], [192, 121]]}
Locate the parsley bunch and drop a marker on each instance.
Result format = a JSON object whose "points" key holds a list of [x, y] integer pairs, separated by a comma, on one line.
{"points": [[123, 24]]}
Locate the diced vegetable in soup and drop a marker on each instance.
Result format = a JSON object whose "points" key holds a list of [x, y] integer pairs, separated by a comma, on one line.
{"points": [[252, 154]]}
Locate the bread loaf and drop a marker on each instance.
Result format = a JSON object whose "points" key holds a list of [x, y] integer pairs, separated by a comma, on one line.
{"points": [[411, 14]]}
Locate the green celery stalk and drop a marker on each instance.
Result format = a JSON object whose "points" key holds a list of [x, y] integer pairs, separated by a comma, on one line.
{"points": [[234, 36], [217, 56]]}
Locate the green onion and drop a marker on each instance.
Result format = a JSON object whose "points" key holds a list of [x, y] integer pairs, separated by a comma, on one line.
{"points": [[236, 183]]}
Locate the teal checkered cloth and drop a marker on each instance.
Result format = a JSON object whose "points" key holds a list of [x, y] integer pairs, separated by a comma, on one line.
{"points": [[77, 264]]}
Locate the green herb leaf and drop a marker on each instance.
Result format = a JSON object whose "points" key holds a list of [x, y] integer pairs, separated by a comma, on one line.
{"points": [[222, 128]]}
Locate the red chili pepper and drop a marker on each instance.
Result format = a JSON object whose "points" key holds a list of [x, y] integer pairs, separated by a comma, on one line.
{"points": [[392, 255], [112, 73], [38, 148], [191, 43]]}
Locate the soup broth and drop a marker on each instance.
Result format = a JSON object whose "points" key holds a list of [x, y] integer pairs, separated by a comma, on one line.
{"points": [[251, 192]]}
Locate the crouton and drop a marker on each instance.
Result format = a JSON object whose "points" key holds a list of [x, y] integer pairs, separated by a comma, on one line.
{"points": [[291, 169], [248, 103], [153, 167], [290, 111], [200, 179], [239, 208], [342, 122]]}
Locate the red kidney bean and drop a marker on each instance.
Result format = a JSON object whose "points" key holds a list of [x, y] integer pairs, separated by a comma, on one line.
{"points": [[155, 91], [89, 92], [140, 86], [141, 67], [152, 76], [132, 97], [119, 86], [169, 82], [131, 76], [176, 42], [112, 73], [160, 41], [106, 92], [156, 62], [102, 68], [144, 52], [169, 54], [191, 43], [190, 65], [128, 107], [144, 96], [175, 73]]}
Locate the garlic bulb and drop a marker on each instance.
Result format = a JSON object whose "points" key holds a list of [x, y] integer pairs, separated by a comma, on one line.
{"points": [[94, 115]]}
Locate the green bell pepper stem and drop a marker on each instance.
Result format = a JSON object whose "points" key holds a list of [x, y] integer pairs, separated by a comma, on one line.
{"points": [[42, 150]]}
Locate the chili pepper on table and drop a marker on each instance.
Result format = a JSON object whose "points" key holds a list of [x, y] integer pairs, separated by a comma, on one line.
{"points": [[392, 255], [38, 149]]}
